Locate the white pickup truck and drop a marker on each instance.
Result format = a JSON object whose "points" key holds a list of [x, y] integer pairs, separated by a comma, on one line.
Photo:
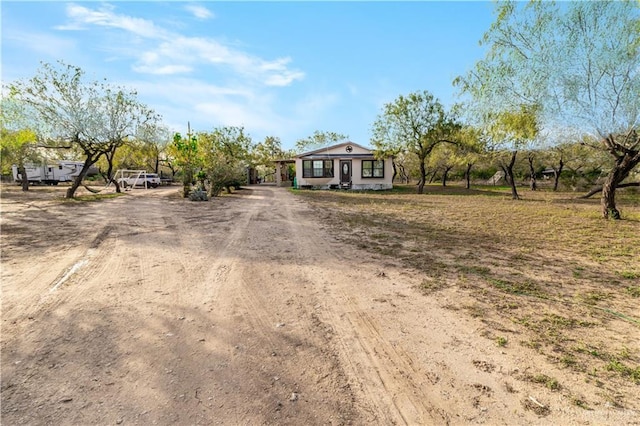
{"points": [[148, 180]]}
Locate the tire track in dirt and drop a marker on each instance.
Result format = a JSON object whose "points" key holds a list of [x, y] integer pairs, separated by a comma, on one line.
{"points": [[395, 368], [228, 274], [78, 270], [385, 374]]}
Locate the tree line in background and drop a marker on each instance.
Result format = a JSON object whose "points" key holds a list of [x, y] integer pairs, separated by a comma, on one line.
{"points": [[59, 115], [555, 78], [556, 96]]}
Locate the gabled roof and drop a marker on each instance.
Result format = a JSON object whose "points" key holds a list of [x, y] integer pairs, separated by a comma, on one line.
{"points": [[327, 148]]}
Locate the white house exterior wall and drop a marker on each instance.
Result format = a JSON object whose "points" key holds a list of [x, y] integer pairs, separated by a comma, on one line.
{"points": [[337, 154]]}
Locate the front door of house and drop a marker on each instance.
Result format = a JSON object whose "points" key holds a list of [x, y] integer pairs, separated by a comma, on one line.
{"points": [[345, 172]]}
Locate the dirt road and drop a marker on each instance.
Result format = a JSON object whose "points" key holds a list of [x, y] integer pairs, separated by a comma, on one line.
{"points": [[149, 309]]}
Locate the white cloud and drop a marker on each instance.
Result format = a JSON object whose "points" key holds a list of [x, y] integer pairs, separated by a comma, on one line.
{"points": [[178, 69], [82, 16], [284, 78], [173, 53], [200, 12], [162, 70], [205, 106]]}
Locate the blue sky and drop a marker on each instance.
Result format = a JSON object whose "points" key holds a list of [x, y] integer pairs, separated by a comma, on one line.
{"points": [[280, 69]]}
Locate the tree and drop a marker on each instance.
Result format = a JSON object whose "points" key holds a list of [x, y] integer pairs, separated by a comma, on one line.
{"points": [[443, 159], [415, 123], [17, 148], [454, 156], [92, 117], [557, 157], [225, 152], [17, 145], [319, 139], [153, 139], [264, 154], [513, 130], [473, 145], [184, 152], [122, 118], [580, 63]]}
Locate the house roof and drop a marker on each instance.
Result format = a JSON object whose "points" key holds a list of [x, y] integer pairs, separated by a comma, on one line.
{"points": [[321, 156], [323, 150]]}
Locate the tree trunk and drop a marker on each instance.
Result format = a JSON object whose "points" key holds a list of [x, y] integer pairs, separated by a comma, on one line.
{"points": [[532, 173], [445, 174], [24, 178], [506, 176], [467, 175], [627, 158], [433, 176], [621, 170], [403, 174], [509, 172], [110, 156], [597, 189], [187, 179], [157, 168], [88, 162], [395, 170], [423, 177], [608, 200], [556, 174]]}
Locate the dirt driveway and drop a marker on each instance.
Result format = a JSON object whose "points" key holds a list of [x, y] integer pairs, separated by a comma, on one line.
{"points": [[150, 309]]}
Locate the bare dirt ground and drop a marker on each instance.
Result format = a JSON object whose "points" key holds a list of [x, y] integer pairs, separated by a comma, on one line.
{"points": [[150, 309]]}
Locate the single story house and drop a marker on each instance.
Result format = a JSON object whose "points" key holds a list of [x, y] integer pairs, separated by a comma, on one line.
{"points": [[346, 165]]}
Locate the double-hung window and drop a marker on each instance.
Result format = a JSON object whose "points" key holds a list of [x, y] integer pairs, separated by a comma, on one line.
{"points": [[372, 168], [317, 168]]}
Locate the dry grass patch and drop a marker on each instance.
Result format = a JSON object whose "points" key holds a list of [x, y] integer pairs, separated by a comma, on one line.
{"points": [[567, 280]]}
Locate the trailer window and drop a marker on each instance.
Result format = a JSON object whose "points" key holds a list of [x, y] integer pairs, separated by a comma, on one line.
{"points": [[60, 167]]}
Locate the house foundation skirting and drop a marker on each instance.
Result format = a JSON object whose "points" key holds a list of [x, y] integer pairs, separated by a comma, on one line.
{"points": [[354, 187]]}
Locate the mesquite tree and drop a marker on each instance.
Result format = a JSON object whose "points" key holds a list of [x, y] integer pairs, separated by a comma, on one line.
{"points": [[579, 62], [92, 117], [225, 155], [184, 152], [17, 143], [415, 123]]}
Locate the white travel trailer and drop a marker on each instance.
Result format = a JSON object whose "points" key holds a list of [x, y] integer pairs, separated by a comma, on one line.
{"points": [[52, 174]]}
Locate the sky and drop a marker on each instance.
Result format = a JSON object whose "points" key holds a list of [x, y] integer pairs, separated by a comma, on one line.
{"points": [[283, 69]]}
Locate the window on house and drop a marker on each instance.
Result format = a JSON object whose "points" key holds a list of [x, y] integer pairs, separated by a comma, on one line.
{"points": [[372, 168], [317, 168]]}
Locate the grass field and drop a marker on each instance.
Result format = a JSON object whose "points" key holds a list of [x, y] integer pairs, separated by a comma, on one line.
{"points": [[545, 273]]}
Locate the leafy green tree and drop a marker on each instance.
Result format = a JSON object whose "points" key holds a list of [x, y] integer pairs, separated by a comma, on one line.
{"points": [[416, 124], [153, 139], [473, 145], [17, 145], [92, 117], [442, 160], [17, 148], [450, 157], [264, 154], [122, 118], [319, 139], [513, 130], [555, 158], [579, 62], [186, 156], [225, 154]]}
